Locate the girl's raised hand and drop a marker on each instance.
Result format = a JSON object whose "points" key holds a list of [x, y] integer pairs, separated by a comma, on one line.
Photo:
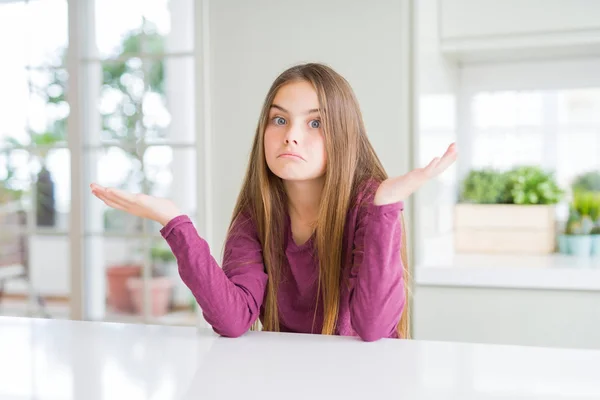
{"points": [[141, 205], [397, 189]]}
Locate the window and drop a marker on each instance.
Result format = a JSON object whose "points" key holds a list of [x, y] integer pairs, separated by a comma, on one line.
{"points": [[34, 158], [136, 118], [559, 129], [502, 115], [140, 136]]}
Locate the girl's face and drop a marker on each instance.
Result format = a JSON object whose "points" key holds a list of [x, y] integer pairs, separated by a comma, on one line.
{"points": [[293, 141]]}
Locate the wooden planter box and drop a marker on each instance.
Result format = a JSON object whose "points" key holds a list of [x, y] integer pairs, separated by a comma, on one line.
{"points": [[504, 228]]}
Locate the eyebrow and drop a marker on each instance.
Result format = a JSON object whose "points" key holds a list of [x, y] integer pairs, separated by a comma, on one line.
{"points": [[311, 111]]}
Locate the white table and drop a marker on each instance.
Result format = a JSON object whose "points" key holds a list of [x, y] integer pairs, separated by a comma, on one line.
{"points": [[54, 359]]}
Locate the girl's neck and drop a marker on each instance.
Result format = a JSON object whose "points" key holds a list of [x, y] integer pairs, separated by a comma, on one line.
{"points": [[304, 198]]}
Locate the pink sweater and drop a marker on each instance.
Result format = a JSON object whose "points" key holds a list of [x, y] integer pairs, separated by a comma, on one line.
{"points": [[231, 298]]}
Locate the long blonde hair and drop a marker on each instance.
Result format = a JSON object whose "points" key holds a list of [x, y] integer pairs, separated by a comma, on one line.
{"points": [[351, 161]]}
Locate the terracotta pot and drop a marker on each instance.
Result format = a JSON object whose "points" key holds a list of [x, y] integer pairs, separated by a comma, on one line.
{"points": [[117, 276], [160, 294]]}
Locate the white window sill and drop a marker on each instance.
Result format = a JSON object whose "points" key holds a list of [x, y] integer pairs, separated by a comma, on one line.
{"points": [[551, 272]]}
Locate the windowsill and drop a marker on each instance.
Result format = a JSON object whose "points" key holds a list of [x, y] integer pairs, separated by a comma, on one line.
{"points": [[549, 272]]}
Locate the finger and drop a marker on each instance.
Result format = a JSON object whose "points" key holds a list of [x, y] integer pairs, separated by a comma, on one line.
{"points": [[102, 196], [115, 195], [120, 195], [431, 167], [106, 197], [447, 159], [114, 205]]}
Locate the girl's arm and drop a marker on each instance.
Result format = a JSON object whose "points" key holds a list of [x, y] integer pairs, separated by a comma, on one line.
{"points": [[377, 296], [231, 297]]}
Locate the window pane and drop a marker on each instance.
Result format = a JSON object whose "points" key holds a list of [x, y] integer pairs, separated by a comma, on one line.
{"points": [[15, 177], [529, 108], [506, 109], [120, 101], [15, 97], [169, 105], [117, 168], [148, 26], [167, 172], [48, 275], [122, 261], [47, 107], [578, 152], [154, 99], [47, 32], [579, 106], [504, 150], [53, 189], [494, 109], [173, 21], [171, 300], [118, 24], [13, 24], [40, 181], [171, 173]]}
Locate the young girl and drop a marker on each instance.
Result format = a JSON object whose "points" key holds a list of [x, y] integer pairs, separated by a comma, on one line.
{"points": [[316, 243]]}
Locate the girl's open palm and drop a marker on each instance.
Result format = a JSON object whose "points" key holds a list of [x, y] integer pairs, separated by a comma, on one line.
{"points": [[397, 189], [139, 204]]}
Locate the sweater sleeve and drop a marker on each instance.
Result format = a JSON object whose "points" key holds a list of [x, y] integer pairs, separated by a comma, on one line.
{"points": [[230, 297], [377, 296]]}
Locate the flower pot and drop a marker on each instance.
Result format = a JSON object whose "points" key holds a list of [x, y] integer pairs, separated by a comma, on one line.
{"points": [[160, 294], [118, 293], [504, 228], [595, 245], [563, 244], [580, 245]]}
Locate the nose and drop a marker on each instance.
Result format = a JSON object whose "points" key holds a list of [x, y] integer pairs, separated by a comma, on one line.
{"points": [[293, 134]]}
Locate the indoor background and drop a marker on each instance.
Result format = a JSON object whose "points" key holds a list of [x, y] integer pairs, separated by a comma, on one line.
{"points": [[163, 97]]}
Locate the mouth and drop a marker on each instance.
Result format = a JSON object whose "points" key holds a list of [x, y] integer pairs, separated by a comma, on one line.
{"points": [[291, 155]]}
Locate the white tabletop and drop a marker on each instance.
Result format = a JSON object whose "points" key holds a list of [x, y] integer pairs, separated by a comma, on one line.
{"points": [[54, 359]]}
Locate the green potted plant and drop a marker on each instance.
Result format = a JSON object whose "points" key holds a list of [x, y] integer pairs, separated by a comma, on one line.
{"points": [[484, 186], [579, 238], [583, 212], [595, 217], [507, 211], [531, 185], [587, 182]]}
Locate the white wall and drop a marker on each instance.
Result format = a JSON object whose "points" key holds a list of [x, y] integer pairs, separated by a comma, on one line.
{"points": [[436, 91], [494, 30], [474, 18], [508, 316], [531, 75], [252, 42]]}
